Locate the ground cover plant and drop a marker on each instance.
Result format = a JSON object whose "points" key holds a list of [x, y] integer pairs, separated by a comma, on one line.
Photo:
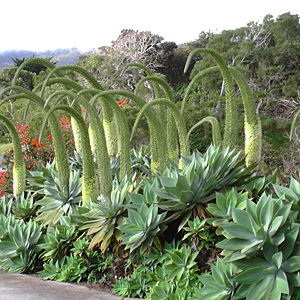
{"points": [[158, 222]]}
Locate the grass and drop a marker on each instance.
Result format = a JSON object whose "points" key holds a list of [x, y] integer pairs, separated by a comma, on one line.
{"points": [[4, 147]]}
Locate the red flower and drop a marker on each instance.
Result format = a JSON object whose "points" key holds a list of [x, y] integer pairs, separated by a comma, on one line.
{"points": [[50, 137], [25, 127], [35, 142]]}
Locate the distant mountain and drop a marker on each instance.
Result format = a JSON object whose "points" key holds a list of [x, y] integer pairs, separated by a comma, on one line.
{"points": [[60, 56]]}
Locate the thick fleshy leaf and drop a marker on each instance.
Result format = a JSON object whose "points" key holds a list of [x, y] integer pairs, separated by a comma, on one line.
{"points": [[292, 264], [251, 276], [238, 231], [259, 289], [281, 282]]}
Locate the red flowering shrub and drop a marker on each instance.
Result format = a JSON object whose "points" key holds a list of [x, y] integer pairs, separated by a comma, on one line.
{"points": [[34, 151]]}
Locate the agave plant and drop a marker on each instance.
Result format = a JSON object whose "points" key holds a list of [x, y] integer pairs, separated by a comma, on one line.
{"points": [[196, 184], [219, 285], [252, 228], [273, 273], [20, 245], [144, 222], [58, 242], [58, 201], [199, 234], [24, 207], [106, 214], [5, 206], [5, 223], [223, 208]]}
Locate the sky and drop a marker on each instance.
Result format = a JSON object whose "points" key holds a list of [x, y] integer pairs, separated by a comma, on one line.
{"points": [[40, 25]]}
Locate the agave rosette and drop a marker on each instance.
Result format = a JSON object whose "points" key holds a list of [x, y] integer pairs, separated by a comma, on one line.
{"points": [[183, 190]]}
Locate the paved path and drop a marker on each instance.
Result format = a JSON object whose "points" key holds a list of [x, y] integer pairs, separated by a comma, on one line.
{"points": [[2, 168], [25, 287]]}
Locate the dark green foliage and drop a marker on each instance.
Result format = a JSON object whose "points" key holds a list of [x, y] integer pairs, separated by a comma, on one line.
{"points": [[32, 67], [267, 53]]}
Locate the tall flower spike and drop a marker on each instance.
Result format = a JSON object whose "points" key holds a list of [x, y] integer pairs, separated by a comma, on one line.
{"points": [[61, 157], [97, 142], [89, 182], [158, 148], [179, 121], [19, 167], [253, 134], [172, 141], [231, 116]]}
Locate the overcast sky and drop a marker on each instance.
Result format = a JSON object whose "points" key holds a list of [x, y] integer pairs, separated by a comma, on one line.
{"points": [[86, 24]]}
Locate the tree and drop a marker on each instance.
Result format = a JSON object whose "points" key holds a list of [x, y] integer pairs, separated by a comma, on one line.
{"points": [[107, 62], [32, 67]]}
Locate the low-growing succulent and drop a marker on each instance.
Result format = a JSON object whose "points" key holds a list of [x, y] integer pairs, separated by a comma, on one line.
{"points": [[59, 242], [59, 201], [199, 234], [20, 245], [141, 227], [251, 228], [223, 208], [219, 285], [196, 184], [106, 215]]}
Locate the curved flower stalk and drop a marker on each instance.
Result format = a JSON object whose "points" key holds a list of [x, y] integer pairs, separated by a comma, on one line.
{"points": [[179, 121], [124, 131], [294, 123], [157, 94], [89, 182], [19, 169], [89, 78], [230, 134], [110, 129], [97, 139], [156, 87], [158, 141], [161, 82], [53, 69], [61, 156], [253, 134], [217, 139], [192, 83], [58, 80], [172, 141]]}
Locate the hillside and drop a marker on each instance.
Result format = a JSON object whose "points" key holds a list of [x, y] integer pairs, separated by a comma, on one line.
{"points": [[61, 56]]}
